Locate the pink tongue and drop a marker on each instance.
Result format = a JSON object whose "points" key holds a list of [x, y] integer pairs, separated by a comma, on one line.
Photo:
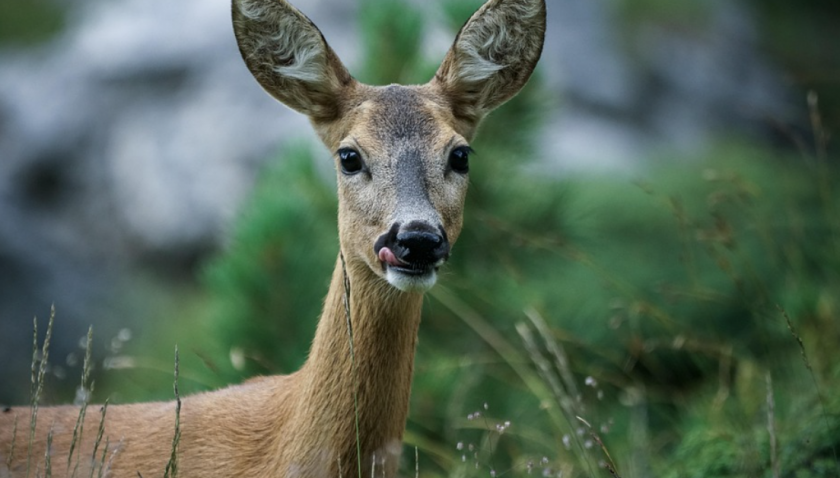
{"points": [[388, 257]]}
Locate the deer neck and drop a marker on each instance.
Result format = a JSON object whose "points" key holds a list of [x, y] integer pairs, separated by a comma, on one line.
{"points": [[372, 384]]}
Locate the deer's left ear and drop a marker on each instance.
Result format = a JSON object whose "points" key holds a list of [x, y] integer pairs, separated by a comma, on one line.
{"points": [[493, 56]]}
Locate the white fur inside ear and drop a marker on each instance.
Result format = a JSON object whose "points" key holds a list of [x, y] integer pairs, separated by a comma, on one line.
{"points": [[296, 47], [478, 47], [305, 55], [494, 33]]}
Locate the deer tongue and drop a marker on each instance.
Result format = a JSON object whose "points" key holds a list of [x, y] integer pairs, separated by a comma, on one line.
{"points": [[388, 257]]}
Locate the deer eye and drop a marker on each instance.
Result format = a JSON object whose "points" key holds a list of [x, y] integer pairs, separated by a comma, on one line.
{"points": [[351, 161], [459, 159]]}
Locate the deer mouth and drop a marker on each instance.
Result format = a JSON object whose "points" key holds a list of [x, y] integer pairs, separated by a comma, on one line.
{"points": [[410, 256], [411, 277], [390, 261]]}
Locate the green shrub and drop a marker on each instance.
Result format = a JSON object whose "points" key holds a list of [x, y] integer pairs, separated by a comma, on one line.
{"points": [[267, 289]]}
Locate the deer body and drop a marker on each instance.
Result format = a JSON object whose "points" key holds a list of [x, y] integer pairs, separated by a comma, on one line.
{"points": [[401, 156]]}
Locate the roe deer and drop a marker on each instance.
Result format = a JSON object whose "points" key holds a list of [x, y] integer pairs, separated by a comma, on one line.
{"points": [[401, 155]]}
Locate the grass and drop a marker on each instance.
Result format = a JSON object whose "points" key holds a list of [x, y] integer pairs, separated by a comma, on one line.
{"points": [[37, 383], [99, 435], [99, 463], [85, 390]]}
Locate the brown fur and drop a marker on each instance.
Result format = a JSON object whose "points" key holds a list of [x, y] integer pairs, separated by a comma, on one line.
{"points": [[304, 424]]}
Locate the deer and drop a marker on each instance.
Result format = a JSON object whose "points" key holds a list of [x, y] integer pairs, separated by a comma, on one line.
{"points": [[402, 164]]}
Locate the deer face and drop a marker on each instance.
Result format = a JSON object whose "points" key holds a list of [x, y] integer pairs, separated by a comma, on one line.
{"points": [[401, 152], [402, 178]]}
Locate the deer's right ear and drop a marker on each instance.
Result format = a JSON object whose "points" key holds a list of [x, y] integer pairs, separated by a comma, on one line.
{"points": [[289, 57], [493, 56]]}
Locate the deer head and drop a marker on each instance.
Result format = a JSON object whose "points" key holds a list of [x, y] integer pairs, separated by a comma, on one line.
{"points": [[401, 152]]}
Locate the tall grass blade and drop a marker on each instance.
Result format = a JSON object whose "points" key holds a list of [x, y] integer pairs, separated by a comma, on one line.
{"points": [[78, 429], [511, 356], [37, 386], [817, 387], [172, 465], [771, 427], [561, 360], [567, 404], [11, 455], [101, 473], [48, 454], [99, 434]]}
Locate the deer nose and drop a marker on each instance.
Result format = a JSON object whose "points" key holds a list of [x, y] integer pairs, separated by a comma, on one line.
{"points": [[421, 247], [417, 246]]}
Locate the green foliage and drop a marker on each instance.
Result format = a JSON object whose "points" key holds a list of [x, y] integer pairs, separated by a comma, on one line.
{"points": [[29, 21], [457, 12], [391, 31], [726, 443], [801, 37], [267, 289]]}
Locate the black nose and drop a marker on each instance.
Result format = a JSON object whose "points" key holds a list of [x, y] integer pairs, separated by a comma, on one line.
{"points": [[418, 245]]}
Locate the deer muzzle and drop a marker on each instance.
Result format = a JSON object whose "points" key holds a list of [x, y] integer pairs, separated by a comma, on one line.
{"points": [[417, 249]]}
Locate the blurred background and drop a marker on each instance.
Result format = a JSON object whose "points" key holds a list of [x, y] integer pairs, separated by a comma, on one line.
{"points": [[648, 282]]}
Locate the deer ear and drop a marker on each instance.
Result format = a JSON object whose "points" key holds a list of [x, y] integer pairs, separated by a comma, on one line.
{"points": [[493, 56], [289, 57]]}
